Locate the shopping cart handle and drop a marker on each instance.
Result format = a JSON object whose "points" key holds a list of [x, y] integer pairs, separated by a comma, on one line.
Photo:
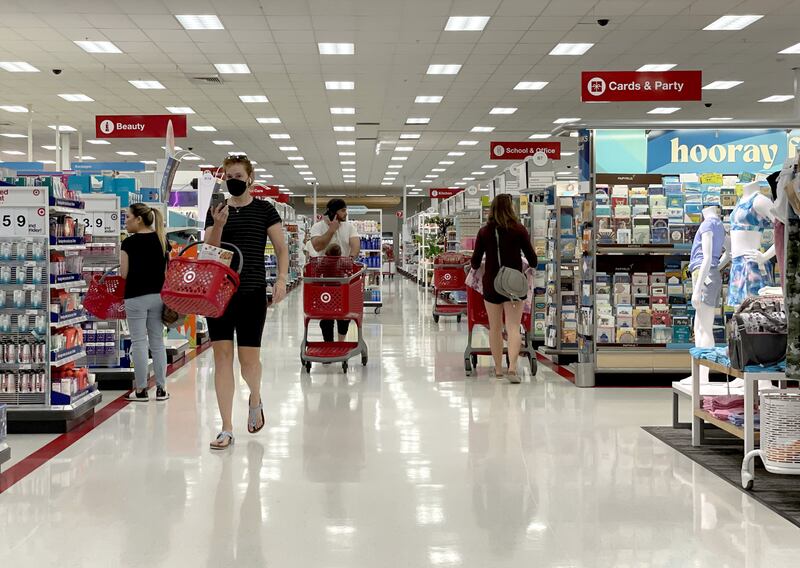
{"points": [[236, 249]]}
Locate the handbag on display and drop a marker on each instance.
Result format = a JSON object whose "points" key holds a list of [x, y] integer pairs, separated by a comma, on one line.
{"points": [[509, 282], [757, 332]]}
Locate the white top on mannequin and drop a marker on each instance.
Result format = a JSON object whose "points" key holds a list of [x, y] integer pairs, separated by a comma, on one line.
{"points": [[707, 244], [748, 243], [781, 207]]}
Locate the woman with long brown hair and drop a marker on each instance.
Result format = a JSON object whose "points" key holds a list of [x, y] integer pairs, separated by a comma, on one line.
{"points": [[143, 264], [503, 240]]}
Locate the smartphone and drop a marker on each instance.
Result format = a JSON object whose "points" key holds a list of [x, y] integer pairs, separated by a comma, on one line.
{"points": [[331, 215], [216, 200]]}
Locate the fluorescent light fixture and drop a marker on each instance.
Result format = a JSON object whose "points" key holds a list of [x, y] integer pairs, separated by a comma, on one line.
{"points": [[86, 158], [404, 148], [538, 136], [287, 148], [375, 195], [425, 181], [296, 158], [395, 166], [306, 173], [344, 128], [468, 142], [382, 183], [268, 176], [777, 99], [232, 68], [269, 120], [664, 110], [192, 158], [466, 23], [438, 169], [479, 173], [409, 136], [713, 119], [18, 67], [13, 152], [566, 173], [418, 120], [62, 128], [791, 49], [180, 110], [431, 176], [348, 176], [98, 47], [482, 129], [336, 48], [13, 135], [49, 147], [721, 85], [200, 22], [204, 128], [300, 166], [13, 108], [343, 110], [571, 48], [565, 120], [573, 134], [178, 148], [259, 170], [348, 162], [46, 162], [444, 69], [153, 163], [461, 183], [492, 166], [399, 158], [223, 142], [562, 153], [340, 85], [732, 22], [253, 98], [428, 99], [468, 179], [345, 142], [238, 153], [656, 67], [147, 84], [127, 153], [347, 154], [531, 85], [446, 163], [456, 154], [503, 110], [348, 169], [279, 136]]}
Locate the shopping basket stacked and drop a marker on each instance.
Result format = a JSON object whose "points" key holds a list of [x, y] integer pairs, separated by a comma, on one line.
{"points": [[333, 289], [105, 298], [449, 277], [200, 287]]}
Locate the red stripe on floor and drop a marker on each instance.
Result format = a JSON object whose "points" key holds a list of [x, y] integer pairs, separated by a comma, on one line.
{"points": [[556, 368], [44, 454]]}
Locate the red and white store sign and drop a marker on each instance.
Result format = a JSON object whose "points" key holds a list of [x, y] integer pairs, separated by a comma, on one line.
{"points": [[521, 150], [399, 214], [139, 125], [628, 86], [443, 192]]}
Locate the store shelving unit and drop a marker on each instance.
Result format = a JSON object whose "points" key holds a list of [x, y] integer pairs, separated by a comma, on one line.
{"points": [[39, 397], [372, 254], [536, 220], [427, 246], [5, 450]]}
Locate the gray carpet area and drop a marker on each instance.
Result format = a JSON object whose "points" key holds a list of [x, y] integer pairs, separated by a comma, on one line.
{"points": [[722, 455]]}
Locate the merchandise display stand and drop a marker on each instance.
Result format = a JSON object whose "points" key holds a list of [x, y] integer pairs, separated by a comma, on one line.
{"points": [[536, 220], [5, 450], [372, 254], [45, 383]]}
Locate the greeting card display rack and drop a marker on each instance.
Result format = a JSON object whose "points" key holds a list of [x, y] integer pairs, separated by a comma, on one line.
{"points": [[372, 254]]}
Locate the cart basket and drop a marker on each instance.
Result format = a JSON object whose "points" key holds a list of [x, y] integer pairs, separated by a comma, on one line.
{"points": [[105, 298]]}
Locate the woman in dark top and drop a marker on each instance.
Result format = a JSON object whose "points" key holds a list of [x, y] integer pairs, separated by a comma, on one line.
{"points": [[245, 222], [514, 242], [143, 263]]}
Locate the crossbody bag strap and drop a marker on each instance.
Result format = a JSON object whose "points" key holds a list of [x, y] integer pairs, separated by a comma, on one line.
{"points": [[497, 238]]}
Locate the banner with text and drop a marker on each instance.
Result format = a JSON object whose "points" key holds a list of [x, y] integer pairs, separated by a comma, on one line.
{"points": [[633, 86], [443, 192], [139, 125], [521, 150]]}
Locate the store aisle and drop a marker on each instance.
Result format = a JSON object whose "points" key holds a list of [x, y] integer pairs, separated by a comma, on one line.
{"points": [[403, 463]]}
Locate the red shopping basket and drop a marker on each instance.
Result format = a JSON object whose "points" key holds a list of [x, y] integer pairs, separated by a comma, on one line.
{"points": [[333, 288], [105, 298], [201, 287]]}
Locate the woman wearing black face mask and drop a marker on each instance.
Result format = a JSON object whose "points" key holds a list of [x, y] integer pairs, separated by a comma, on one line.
{"points": [[245, 222]]}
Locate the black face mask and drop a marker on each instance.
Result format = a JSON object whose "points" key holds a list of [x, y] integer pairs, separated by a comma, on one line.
{"points": [[236, 187]]}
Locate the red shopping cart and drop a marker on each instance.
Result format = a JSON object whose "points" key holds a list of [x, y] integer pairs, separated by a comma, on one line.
{"points": [[105, 298], [449, 276], [477, 315], [333, 289]]}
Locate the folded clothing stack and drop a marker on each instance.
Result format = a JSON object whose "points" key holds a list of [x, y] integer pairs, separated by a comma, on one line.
{"points": [[737, 419]]}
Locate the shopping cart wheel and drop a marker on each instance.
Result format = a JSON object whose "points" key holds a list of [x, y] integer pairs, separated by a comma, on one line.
{"points": [[364, 360], [474, 359], [308, 367], [436, 318], [458, 319], [344, 367], [467, 366], [377, 311], [534, 364]]}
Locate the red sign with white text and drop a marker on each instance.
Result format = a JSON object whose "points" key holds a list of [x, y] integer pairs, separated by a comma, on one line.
{"points": [[443, 192], [399, 214], [627, 86], [521, 150], [139, 125]]}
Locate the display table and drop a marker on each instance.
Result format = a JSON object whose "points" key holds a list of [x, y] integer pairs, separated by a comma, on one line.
{"points": [[680, 390]]}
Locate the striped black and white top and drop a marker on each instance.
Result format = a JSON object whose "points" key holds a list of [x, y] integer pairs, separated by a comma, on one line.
{"points": [[247, 229]]}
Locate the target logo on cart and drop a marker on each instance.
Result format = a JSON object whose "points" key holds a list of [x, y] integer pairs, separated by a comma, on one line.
{"points": [[325, 297], [190, 277], [448, 276]]}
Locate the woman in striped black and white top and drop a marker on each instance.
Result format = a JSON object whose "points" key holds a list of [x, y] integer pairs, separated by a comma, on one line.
{"points": [[245, 222]]}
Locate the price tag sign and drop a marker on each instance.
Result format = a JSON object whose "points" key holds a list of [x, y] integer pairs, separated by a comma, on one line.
{"points": [[101, 223], [23, 212]]}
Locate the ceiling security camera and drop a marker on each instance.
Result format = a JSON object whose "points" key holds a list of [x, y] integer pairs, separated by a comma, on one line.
{"points": [[708, 105], [57, 71], [603, 22]]}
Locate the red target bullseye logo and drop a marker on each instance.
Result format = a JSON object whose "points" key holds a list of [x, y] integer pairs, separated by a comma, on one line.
{"points": [[325, 297], [189, 277], [40, 212], [448, 276]]}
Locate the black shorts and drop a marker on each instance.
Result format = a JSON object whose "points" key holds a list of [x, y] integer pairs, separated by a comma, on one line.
{"points": [[246, 314]]}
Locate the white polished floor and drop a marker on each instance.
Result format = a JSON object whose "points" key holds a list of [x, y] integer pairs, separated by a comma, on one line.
{"points": [[404, 463]]}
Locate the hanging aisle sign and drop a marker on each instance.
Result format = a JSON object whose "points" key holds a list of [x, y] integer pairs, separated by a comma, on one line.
{"points": [[521, 150], [631, 86], [443, 192], [139, 125]]}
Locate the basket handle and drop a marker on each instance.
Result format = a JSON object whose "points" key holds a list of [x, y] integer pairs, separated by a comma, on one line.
{"points": [[236, 249]]}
